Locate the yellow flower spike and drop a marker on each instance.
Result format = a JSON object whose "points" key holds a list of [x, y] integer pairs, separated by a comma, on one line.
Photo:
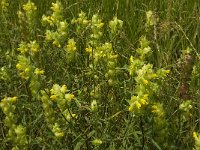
{"points": [[154, 75], [39, 72], [130, 108], [56, 7], [167, 71], [59, 134], [145, 96], [145, 82], [143, 101], [100, 25], [53, 97], [195, 136], [155, 109], [52, 91], [19, 66], [131, 59], [63, 89], [74, 115], [69, 97], [56, 43], [29, 6], [85, 22], [14, 99], [22, 75], [71, 46], [88, 50], [34, 46], [97, 142], [138, 105], [26, 70]]}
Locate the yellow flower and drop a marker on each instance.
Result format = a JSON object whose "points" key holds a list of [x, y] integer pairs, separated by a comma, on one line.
{"points": [[143, 101], [94, 106], [71, 46], [29, 6], [39, 72], [157, 110], [13, 99], [52, 91], [167, 71], [19, 66], [145, 96], [89, 50], [34, 47], [53, 97], [59, 134], [138, 105], [100, 25], [69, 97], [130, 108], [97, 142], [56, 7], [145, 82], [154, 75], [195, 135], [26, 70], [63, 89]]}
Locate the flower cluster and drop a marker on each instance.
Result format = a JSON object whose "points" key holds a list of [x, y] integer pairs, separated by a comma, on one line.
{"points": [[115, 25], [29, 9], [137, 102], [16, 133], [57, 131], [144, 76], [26, 66], [97, 142], [71, 49], [197, 141], [149, 16], [59, 35], [104, 55], [4, 5], [31, 48], [58, 95], [157, 110], [62, 98], [81, 23], [95, 95], [185, 107], [160, 124], [96, 26], [50, 114], [27, 16]]}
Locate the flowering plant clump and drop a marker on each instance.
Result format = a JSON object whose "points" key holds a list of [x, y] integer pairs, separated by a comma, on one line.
{"points": [[59, 35], [83, 78], [197, 141], [145, 77], [16, 133], [81, 23], [62, 99], [27, 19], [50, 115], [26, 68], [4, 6]]}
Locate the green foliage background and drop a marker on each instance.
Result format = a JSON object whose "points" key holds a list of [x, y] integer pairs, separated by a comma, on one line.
{"points": [[177, 29]]}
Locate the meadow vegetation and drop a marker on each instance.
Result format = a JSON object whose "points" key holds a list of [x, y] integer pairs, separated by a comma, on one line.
{"points": [[90, 74]]}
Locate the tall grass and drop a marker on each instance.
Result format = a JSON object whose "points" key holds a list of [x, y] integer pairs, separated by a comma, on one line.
{"points": [[99, 116]]}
